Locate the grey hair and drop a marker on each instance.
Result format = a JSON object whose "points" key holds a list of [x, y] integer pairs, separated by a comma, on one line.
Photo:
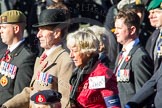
{"points": [[85, 40]]}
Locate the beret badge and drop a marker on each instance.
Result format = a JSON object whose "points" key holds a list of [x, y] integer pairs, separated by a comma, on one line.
{"points": [[40, 98], [3, 19]]}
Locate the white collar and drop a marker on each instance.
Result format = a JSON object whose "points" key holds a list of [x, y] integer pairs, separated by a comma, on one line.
{"points": [[48, 52], [16, 45], [130, 46]]}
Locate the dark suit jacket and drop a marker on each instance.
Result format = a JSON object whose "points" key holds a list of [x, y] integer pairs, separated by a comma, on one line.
{"points": [[148, 89], [140, 67], [150, 46], [24, 59], [2, 47]]}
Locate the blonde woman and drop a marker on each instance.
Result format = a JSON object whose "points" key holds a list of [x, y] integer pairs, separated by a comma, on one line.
{"points": [[92, 83]]}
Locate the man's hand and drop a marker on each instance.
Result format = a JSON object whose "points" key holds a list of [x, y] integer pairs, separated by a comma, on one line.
{"points": [[131, 105]]}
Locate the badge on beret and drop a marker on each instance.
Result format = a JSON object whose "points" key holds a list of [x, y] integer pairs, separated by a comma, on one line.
{"points": [[161, 5], [3, 19], [4, 81], [40, 99]]}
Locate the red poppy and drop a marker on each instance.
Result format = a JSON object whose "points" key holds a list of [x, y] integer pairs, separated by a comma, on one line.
{"points": [[127, 58], [7, 58]]}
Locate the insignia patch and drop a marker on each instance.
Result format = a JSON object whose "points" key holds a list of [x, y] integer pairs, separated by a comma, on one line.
{"points": [[112, 101], [4, 81], [40, 98]]}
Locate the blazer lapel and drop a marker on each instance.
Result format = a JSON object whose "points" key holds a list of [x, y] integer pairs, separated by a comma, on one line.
{"points": [[153, 42], [50, 60], [16, 51], [127, 59]]}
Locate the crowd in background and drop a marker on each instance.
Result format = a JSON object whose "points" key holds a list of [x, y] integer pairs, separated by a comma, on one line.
{"points": [[70, 44]]}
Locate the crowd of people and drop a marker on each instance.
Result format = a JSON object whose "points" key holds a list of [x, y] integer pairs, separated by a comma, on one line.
{"points": [[81, 54]]}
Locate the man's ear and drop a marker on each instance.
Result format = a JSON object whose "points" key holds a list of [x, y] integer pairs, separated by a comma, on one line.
{"points": [[16, 28], [133, 30], [57, 32]]}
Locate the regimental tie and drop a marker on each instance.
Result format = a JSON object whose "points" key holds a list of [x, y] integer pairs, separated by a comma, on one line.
{"points": [[118, 72], [120, 58], [159, 46], [42, 58], [6, 57]]}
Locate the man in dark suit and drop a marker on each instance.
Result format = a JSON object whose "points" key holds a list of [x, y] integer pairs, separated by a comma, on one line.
{"points": [[2, 47], [147, 90], [154, 47], [133, 65], [17, 63], [154, 43]]}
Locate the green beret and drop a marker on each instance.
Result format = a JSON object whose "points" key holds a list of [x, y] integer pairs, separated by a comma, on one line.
{"points": [[154, 4], [12, 16]]}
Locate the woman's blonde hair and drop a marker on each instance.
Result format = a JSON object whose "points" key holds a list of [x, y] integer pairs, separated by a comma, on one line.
{"points": [[85, 40]]}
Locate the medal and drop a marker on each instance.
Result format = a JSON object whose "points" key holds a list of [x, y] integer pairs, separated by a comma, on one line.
{"points": [[46, 80], [1, 68], [4, 81], [159, 51]]}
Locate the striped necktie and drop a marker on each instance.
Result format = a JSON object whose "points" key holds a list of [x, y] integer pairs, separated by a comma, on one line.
{"points": [[42, 58], [120, 57], [119, 60]]}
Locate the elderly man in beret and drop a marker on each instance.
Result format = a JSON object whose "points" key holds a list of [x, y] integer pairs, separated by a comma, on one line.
{"points": [[154, 44], [54, 67], [17, 62], [154, 85], [47, 99]]}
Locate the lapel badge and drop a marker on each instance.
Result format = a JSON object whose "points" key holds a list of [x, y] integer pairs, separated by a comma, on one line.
{"points": [[127, 58], [4, 81], [44, 65], [8, 58]]}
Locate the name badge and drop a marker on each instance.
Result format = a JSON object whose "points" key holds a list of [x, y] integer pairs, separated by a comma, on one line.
{"points": [[96, 82]]}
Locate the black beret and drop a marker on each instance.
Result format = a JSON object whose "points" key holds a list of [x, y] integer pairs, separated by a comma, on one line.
{"points": [[12, 16], [46, 96]]}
